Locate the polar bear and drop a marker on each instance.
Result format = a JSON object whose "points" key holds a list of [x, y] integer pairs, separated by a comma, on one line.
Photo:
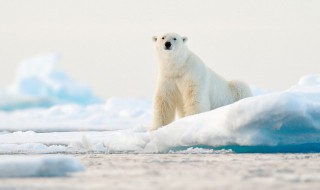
{"points": [[185, 85]]}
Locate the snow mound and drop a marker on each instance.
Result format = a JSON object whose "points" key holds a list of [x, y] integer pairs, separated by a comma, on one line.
{"points": [[279, 119], [39, 84], [38, 166]]}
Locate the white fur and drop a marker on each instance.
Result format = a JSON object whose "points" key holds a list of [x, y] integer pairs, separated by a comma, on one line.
{"points": [[186, 85]]}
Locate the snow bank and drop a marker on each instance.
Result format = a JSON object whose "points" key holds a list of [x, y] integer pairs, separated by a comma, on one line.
{"points": [[272, 120], [39, 84], [38, 166]]}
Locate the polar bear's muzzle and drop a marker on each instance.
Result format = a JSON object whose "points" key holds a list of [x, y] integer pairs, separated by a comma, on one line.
{"points": [[167, 46]]}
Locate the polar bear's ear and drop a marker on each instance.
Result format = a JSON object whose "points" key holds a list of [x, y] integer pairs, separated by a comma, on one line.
{"points": [[184, 39], [154, 38]]}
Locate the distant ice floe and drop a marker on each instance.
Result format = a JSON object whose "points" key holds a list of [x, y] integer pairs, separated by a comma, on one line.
{"points": [[39, 84], [38, 166], [309, 80]]}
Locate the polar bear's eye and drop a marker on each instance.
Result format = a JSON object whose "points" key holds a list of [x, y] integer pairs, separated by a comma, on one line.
{"points": [[163, 38], [174, 39]]}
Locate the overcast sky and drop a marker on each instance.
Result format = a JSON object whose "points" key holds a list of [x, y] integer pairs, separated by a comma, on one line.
{"points": [[108, 44]]}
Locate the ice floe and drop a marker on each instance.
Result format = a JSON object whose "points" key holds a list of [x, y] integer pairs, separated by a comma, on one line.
{"points": [[38, 83]]}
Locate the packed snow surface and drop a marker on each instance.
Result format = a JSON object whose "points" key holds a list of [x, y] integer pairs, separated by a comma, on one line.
{"points": [[209, 170], [38, 166]]}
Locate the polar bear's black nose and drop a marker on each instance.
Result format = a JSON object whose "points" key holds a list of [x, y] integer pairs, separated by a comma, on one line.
{"points": [[167, 44]]}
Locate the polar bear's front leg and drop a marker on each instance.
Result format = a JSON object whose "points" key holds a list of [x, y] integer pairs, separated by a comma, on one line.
{"points": [[163, 109], [191, 99]]}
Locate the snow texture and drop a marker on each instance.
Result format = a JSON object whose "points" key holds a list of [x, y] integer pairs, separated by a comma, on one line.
{"points": [[71, 118], [286, 121], [38, 166], [39, 84], [115, 114]]}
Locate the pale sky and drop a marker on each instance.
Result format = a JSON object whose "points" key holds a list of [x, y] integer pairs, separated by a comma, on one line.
{"points": [[108, 43]]}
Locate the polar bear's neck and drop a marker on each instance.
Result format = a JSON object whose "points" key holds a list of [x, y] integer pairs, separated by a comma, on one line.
{"points": [[173, 64]]}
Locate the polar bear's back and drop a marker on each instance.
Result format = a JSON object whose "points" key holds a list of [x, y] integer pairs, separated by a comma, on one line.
{"points": [[214, 91], [220, 94], [223, 92]]}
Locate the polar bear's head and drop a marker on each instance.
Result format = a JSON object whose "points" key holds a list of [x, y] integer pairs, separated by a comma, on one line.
{"points": [[169, 43]]}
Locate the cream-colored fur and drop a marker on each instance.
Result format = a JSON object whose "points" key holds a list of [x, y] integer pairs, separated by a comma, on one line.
{"points": [[186, 85]]}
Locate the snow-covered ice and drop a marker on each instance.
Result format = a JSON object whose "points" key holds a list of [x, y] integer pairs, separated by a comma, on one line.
{"points": [[44, 99], [287, 121], [38, 166], [291, 117], [72, 119], [115, 114]]}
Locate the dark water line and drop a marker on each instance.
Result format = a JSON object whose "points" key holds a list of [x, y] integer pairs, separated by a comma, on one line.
{"points": [[297, 148]]}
